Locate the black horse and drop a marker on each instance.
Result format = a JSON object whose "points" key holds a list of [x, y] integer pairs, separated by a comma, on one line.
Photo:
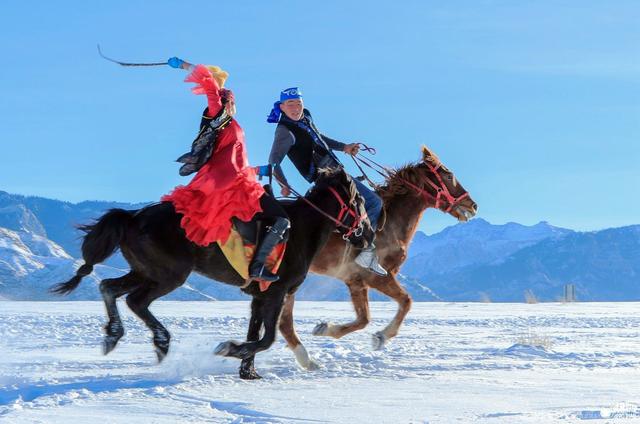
{"points": [[161, 258]]}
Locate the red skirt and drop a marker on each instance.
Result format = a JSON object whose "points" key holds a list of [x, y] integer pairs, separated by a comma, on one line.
{"points": [[207, 209]]}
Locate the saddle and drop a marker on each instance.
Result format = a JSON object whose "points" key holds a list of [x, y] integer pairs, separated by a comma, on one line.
{"points": [[241, 246]]}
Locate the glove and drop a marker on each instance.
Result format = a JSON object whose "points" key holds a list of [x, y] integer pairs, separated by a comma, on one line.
{"points": [[175, 62], [263, 171]]}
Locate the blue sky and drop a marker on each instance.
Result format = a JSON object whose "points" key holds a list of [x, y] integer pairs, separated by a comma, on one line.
{"points": [[535, 105]]}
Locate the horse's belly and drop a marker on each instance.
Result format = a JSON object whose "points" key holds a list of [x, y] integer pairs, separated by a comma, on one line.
{"points": [[213, 264]]}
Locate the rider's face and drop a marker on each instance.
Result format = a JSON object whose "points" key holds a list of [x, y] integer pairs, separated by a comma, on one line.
{"points": [[292, 108], [230, 107]]}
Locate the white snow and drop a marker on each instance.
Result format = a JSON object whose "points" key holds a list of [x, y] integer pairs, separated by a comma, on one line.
{"points": [[450, 363]]}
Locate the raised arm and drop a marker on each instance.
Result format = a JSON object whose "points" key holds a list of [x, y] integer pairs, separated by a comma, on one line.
{"points": [[205, 83]]}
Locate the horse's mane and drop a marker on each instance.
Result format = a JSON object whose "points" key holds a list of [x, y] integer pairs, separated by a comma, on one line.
{"points": [[332, 173], [395, 184], [328, 172]]}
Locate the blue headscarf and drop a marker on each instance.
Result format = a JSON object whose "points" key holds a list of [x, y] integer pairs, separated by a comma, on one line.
{"points": [[274, 116], [286, 94]]}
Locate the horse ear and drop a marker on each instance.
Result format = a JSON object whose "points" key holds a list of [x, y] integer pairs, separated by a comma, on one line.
{"points": [[426, 153], [429, 156]]}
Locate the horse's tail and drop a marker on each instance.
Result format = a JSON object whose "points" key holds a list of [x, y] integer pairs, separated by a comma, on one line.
{"points": [[102, 239]]}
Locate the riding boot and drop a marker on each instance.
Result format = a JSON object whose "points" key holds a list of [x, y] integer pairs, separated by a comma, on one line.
{"points": [[271, 237], [369, 259]]}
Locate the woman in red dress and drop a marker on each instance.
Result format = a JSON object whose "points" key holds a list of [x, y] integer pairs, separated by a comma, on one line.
{"points": [[225, 185]]}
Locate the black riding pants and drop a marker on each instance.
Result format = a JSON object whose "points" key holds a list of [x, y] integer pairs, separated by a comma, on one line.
{"points": [[271, 209]]}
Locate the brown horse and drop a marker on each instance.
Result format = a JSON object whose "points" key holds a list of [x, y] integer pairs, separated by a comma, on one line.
{"points": [[408, 192]]}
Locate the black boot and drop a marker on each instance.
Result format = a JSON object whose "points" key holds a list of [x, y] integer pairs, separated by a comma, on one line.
{"points": [[271, 237]]}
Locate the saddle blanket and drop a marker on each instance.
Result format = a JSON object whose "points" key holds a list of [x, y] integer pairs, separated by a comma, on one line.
{"points": [[239, 253]]}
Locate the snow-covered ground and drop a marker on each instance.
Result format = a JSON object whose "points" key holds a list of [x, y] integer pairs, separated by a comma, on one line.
{"points": [[451, 363]]}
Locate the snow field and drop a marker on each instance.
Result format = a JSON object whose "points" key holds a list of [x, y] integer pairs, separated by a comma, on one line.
{"points": [[458, 362]]}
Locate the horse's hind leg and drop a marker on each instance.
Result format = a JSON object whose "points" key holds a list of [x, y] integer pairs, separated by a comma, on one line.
{"points": [[360, 299], [289, 333], [139, 302], [389, 285], [112, 289], [247, 367]]}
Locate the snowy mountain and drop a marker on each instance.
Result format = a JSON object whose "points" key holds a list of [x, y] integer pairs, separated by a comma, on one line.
{"points": [[54, 219], [18, 217], [30, 264], [603, 266], [475, 242]]}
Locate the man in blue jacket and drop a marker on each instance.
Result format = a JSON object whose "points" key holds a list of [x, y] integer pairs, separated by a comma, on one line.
{"points": [[308, 149]]}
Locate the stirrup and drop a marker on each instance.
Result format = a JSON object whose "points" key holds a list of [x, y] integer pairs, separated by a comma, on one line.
{"points": [[263, 274], [377, 269]]}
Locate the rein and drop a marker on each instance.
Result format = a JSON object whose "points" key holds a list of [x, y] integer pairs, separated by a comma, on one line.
{"points": [[353, 229], [441, 188]]}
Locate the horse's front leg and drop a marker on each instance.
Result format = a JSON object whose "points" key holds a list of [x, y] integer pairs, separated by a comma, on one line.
{"points": [[392, 288], [360, 299], [289, 333], [247, 367], [270, 311]]}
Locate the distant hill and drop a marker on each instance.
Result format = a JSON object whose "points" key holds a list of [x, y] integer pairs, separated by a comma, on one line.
{"points": [[476, 242], [30, 264], [603, 265], [474, 261], [54, 219]]}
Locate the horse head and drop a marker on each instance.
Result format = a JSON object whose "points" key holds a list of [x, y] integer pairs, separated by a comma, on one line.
{"points": [[442, 189]]}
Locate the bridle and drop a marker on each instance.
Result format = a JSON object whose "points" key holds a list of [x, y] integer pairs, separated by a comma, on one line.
{"points": [[346, 210], [441, 189]]}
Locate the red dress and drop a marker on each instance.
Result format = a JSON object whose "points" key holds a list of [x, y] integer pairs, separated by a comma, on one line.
{"points": [[225, 186]]}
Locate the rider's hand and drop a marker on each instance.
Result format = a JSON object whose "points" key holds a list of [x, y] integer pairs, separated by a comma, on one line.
{"points": [[175, 62], [352, 149], [285, 191]]}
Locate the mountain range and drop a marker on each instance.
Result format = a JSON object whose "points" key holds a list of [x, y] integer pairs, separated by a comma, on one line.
{"points": [[474, 261]]}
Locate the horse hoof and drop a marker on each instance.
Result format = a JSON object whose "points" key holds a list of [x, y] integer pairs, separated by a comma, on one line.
{"points": [[320, 329], [109, 343], [312, 366], [223, 348], [378, 340], [249, 375], [161, 354]]}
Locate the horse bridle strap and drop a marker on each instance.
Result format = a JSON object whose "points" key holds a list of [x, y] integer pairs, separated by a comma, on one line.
{"points": [[355, 228], [440, 188]]}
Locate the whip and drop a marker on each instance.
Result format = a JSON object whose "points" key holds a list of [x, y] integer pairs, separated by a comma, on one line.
{"points": [[128, 63]]}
